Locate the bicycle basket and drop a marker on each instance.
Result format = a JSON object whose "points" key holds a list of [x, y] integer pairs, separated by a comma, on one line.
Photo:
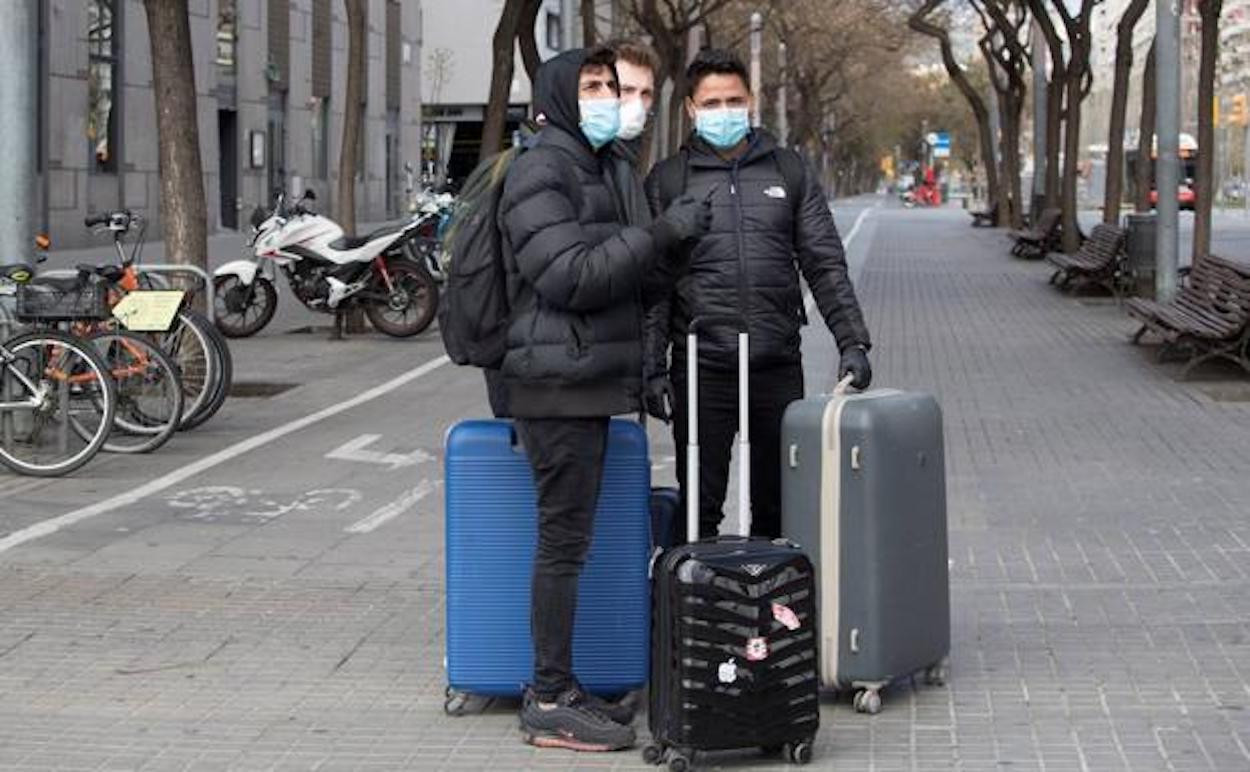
{"points": [[68, 300]]}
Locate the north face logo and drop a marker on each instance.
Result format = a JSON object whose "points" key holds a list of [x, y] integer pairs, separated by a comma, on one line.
{"points": [[754, 569], [776, 191]]}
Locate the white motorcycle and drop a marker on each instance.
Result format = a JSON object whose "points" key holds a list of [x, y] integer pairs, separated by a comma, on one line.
{"points": [[328, 272]]}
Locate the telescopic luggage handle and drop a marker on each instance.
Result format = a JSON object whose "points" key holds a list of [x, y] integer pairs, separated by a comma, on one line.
{"points": [[738, 323]]}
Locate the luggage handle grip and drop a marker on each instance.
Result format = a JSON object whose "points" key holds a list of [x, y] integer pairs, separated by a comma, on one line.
{"points": [[844, 386]]}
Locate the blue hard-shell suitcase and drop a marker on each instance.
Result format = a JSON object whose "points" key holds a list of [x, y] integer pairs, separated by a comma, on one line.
{"points": [[491, 511]]}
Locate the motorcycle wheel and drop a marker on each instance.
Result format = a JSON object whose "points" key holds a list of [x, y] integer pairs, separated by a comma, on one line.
{"points": [[241, 311], [410, 306]]}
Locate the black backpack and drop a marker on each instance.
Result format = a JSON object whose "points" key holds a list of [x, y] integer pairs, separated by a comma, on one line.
{"points": [[474, 312], [475, 308]]}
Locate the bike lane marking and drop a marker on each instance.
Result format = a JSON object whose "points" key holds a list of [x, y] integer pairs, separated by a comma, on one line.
{"points": [[52, 525]]}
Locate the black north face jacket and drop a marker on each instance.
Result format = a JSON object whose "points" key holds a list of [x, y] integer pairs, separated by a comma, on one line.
{"points": [[763, 234], [576, 269]]}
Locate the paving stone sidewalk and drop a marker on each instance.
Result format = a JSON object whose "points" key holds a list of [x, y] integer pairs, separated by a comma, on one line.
{"points": [[1100, 546]]}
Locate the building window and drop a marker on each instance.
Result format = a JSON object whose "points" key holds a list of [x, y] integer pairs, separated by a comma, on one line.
{"points": [[227, 34], [553, 32], [101, 83]]}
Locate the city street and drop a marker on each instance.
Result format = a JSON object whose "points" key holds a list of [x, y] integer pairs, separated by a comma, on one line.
{"points": [[266, 592]]}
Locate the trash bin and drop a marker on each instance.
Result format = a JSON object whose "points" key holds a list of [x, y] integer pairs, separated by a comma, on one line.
{"points": [[1140, 246]]}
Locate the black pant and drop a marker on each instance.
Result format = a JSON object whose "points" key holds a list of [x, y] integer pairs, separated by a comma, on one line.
{"points": [[566, 455], [772, 390]]}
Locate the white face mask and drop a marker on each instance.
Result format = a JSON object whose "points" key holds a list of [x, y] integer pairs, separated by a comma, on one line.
{"points": [[633, 119]]}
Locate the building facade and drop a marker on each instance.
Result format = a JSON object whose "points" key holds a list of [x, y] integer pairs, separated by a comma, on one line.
{"points": [[270, 81], [457, 72]]}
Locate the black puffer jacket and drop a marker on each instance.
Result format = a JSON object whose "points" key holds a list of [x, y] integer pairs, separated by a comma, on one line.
{"points": [[748, 260], [576, 270]]}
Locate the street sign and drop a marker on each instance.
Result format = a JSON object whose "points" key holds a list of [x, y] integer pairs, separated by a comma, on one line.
{"points": [[941, 144]]}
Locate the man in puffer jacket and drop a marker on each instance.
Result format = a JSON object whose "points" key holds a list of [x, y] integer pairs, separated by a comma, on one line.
{"points": [[574, 357], [769, 218]]}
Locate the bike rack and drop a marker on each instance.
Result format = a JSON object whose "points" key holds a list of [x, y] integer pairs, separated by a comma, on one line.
{"points": [[168, 268]]}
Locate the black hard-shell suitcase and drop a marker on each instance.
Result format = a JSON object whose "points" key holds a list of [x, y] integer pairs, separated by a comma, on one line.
{"points": [[734, 660]]}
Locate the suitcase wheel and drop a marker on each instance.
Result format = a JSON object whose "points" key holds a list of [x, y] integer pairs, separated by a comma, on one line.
{"points": [[867, 701], [936, 675], [457, 703], [653, 754], [679, 762], [798, 753]]}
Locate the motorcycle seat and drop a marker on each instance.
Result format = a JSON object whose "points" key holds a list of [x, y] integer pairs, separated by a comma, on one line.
{"points": [[346, 243]]}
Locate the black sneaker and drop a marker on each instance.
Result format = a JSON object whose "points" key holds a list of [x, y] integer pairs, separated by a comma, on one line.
{"points": [[572, 722], [621, 711]]}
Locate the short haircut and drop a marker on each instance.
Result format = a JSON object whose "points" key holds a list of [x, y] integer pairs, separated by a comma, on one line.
{"points": [[600, 56], [637, 53], [715, 61]]}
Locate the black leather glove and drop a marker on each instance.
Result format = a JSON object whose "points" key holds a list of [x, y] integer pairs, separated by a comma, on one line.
{"points": [[658, 397], [855, 363], [686, 218]]}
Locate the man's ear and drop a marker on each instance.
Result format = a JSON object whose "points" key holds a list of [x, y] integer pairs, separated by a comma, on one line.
{"points": [[690, 111]]}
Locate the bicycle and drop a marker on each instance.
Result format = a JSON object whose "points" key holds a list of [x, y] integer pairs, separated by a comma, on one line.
{"points": [[57, 400], [146, 382], [198, 349]]}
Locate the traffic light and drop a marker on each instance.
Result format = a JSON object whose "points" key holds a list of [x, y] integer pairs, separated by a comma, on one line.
{"points": [[1237, 113]]}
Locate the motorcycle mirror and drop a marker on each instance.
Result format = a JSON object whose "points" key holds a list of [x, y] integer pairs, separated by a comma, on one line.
{"points": [[310, 195]]}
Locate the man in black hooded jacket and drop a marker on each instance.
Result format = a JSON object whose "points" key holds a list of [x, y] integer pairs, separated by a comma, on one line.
{"points": [[771, 221], [574, 357]]}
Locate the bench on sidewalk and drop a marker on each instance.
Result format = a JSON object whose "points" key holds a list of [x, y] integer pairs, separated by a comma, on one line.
{"points": [[985, 218], [1037, 241], [1210, 315], [1099, 261]]}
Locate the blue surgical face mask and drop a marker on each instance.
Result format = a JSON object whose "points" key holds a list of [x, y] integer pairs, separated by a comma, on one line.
{"points": [[723, 127], [601, 120]]}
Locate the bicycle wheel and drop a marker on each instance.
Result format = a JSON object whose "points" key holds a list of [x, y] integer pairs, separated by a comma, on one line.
{"points": [[149, 391], [224, 373], [51, 387], [199, 364]]}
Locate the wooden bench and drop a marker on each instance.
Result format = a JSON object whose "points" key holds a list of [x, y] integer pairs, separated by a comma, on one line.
{"points": [[985, 218], [1099, 261], [1210, 315], [1037, 241]]}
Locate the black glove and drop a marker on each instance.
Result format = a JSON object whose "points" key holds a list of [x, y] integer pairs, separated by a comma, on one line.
{"points": [[685, 218], [855, 363], [659, 397]]}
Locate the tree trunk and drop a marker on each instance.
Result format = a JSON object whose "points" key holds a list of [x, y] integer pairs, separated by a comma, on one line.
{"points": [[677, 111], [353, 126], [1119, 107], [1143, 175], [353, 115], [920, 23], [590, 32], [503, 56], [1054, 99], [1205, 184], [1071, 157], [183, 210], [527, 38], [1011, 157]]}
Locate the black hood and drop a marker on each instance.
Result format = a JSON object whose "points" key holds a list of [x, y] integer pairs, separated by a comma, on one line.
{"points": [[555, 91]]}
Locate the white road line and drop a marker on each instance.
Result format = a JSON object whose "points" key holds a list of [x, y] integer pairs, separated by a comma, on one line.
{"points": [[50, 526], [810, 304], [354, 450], [392, 510]]}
